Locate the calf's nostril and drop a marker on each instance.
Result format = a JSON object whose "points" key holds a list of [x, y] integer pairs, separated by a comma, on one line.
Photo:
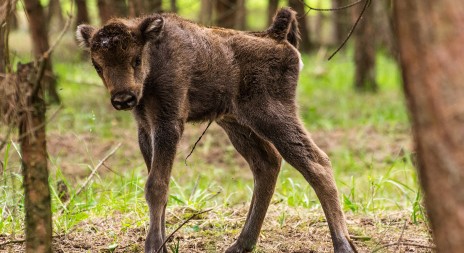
{"points": [[123, 98], [123, 101]]}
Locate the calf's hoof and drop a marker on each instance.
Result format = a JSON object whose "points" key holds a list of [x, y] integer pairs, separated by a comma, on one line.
{"points": [[346, 247], [238, 248]]}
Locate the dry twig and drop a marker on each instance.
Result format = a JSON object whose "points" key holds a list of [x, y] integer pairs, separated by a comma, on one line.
{"points": [[181, 225], [401, 236], [89, 178], [404, 244], [199, 139]]}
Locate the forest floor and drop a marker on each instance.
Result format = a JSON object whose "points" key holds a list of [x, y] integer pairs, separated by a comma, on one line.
{"points": [[367, 137]]}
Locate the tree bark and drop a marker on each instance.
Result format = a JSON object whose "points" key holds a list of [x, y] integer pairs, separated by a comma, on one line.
{"points": [[120, 7], [226, 13], [82, 13], [299, 7], [136, 8], [272, 6], [364, 54], [4, 29], [206, 12], [55, 12], [241, 15], [105, 10], [39, 37], [173, 5], [342, 21], [431, 35], [154, 6], [37, 202]]}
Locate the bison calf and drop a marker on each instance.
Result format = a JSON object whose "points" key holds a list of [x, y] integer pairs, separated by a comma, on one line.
{"points": [[170, 71]]}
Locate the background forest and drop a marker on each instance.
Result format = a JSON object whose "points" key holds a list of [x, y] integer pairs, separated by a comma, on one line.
{"points": [[353, 106]]}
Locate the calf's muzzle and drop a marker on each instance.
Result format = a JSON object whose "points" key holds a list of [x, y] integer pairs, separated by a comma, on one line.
{"points": [[123, 100]]}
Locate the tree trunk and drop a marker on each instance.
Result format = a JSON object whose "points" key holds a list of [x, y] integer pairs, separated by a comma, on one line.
{"points": [[153, 6], [120, 7], [383, 24], [272, 6], [241, 15], [136, 8], [342, 21], [173, 4], [364, 54], [226, 13], [105, 11], [37, 202], [431, 35], [206, 12], [4, 29], [82, 13], [299, 7], [39, 36], [55, 12]]}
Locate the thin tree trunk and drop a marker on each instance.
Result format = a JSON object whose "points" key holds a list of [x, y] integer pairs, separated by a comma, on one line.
{"points": [[206, 12], [105, 11], [299, 7], [82, 13], [136, 8], [272, 6], [37, 201], [173, 4], [226, 13], [241, 15], [342, 21], [153, 6], [120, 7], [4, 29], [364, 54], [39, 37], [55, 12], [431, 35]]}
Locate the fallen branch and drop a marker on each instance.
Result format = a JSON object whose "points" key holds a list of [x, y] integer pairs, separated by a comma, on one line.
{"points": [[12, 242], [24, 240], [86, 182], [401, 236], [181, 225], [404, 244]]}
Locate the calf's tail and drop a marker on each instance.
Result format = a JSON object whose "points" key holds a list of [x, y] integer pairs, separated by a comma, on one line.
{"points": [[285, 27]]}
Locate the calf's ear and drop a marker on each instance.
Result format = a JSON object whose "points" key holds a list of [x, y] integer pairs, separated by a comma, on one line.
{"points": [[84, 34], [151, 27]]}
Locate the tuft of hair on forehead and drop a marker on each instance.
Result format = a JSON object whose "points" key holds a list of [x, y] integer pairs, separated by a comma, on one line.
{"points": [[114, 35]]}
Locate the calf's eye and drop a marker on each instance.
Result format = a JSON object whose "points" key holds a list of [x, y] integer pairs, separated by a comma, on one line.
{"points": [[137, 62], [97, 67]]}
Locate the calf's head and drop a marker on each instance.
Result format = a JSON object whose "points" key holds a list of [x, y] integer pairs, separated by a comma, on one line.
{"points": [[119, 54]]}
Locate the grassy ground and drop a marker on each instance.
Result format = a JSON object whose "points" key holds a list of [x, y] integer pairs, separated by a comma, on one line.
{"points": [[367, 137]]}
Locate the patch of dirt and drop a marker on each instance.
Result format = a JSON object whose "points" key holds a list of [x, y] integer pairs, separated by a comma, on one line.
{"points": [[285, 229]]}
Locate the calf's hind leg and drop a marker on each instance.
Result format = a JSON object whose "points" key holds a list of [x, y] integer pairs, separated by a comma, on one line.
{"points": [[283, 129], [264, 162]]}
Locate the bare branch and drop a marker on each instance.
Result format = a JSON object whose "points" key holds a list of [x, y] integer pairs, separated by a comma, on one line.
{"points": [[404, 244], [89, 178], [195, 145], [181, 225]]}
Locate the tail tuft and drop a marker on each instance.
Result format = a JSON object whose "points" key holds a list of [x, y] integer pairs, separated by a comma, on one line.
{"points": [[285, 27]]}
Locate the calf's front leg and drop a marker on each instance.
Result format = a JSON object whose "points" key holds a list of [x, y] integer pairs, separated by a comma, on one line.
{"points": [[165, 139]]}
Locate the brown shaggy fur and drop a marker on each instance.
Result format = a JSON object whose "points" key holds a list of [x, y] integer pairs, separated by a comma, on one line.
{"points": [[170, 71]]}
